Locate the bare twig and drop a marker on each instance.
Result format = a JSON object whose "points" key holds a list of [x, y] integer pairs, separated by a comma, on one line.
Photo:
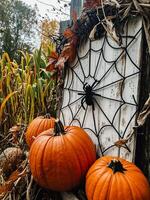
{"points": [[29, 189]]}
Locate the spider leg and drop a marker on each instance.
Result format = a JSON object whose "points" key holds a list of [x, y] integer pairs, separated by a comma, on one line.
{"points": [[94, 83], [97, 95], [81, 93], [82, 102], [93, 106], [84, 86]]}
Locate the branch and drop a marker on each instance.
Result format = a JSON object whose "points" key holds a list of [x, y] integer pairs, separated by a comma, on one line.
{"points": [[54, 8]]}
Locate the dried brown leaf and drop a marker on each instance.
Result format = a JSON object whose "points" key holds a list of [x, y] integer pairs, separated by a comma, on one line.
{"points": [[61, 62], [110, 29], [8, 185], [15, 130], [121, 142], [68, 54], [144, 113], [52, 62], [92, 33]]}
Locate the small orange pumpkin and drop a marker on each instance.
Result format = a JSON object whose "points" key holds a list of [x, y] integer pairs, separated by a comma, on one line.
{"points": [[38, 125], [59, 158], [115, 179]]}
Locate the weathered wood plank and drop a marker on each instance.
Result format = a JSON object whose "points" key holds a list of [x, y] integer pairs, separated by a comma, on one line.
{"points": [[131, 88]]}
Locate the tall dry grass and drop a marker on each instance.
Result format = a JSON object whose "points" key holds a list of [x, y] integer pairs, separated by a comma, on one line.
{"points": [[26, 89]]}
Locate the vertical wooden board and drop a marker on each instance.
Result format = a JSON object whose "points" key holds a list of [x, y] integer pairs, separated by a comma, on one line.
{"points": [[131, 87], [108, 64], [107, 74]]}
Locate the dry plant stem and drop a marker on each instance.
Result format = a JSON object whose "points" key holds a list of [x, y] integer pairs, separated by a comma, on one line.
{"points": [[10, 198], [5, 138], [37, 194], [29, 188]]}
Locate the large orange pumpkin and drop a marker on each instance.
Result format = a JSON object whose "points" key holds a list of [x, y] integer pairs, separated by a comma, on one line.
{"points": [[116, 179], [59, 158], [38, 125]]}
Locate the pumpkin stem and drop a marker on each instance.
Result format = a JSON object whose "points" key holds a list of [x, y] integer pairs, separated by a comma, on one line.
{"points": [[47, 116], [58, 128], [116, 166]]}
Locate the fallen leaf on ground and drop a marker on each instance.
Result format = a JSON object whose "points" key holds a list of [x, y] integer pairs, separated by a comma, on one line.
{"points": [[8, 185]]}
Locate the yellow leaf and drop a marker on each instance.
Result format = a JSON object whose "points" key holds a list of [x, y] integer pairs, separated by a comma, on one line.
{"points": [[4, 103]]}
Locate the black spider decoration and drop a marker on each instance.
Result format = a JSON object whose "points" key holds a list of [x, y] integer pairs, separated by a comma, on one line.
{"points": [[88, 95]]}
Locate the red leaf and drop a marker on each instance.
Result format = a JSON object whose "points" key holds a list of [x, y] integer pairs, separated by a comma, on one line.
{"points": [[61, 62], [68, 53], [68, 33], [52, 61], [54, 55], [50, 68]]}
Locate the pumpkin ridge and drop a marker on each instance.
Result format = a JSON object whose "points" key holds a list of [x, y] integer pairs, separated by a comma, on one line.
{"points": [[66, 143], [42, 160], [130, 187], [36, 165], [37, 130], [110, 187], [93, 188], [104, 185], [39, 125], [97, 187], [66, 159], [91, 175], [76, 155], [28, 133], [83, 146], [69, 167], [78, 138], [45, 123], [136, 187], [91, 171], [34, 157]]}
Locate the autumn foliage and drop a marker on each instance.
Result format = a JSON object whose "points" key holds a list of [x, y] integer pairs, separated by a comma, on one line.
{"points": [[68, 53]]}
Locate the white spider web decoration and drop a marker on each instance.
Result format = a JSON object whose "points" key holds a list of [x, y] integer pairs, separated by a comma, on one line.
{"points": [[113, 74]]}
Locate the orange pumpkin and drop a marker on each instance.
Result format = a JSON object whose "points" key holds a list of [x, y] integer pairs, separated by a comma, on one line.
{"points": [[116, 179], [59, 158], [38, 125]]}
